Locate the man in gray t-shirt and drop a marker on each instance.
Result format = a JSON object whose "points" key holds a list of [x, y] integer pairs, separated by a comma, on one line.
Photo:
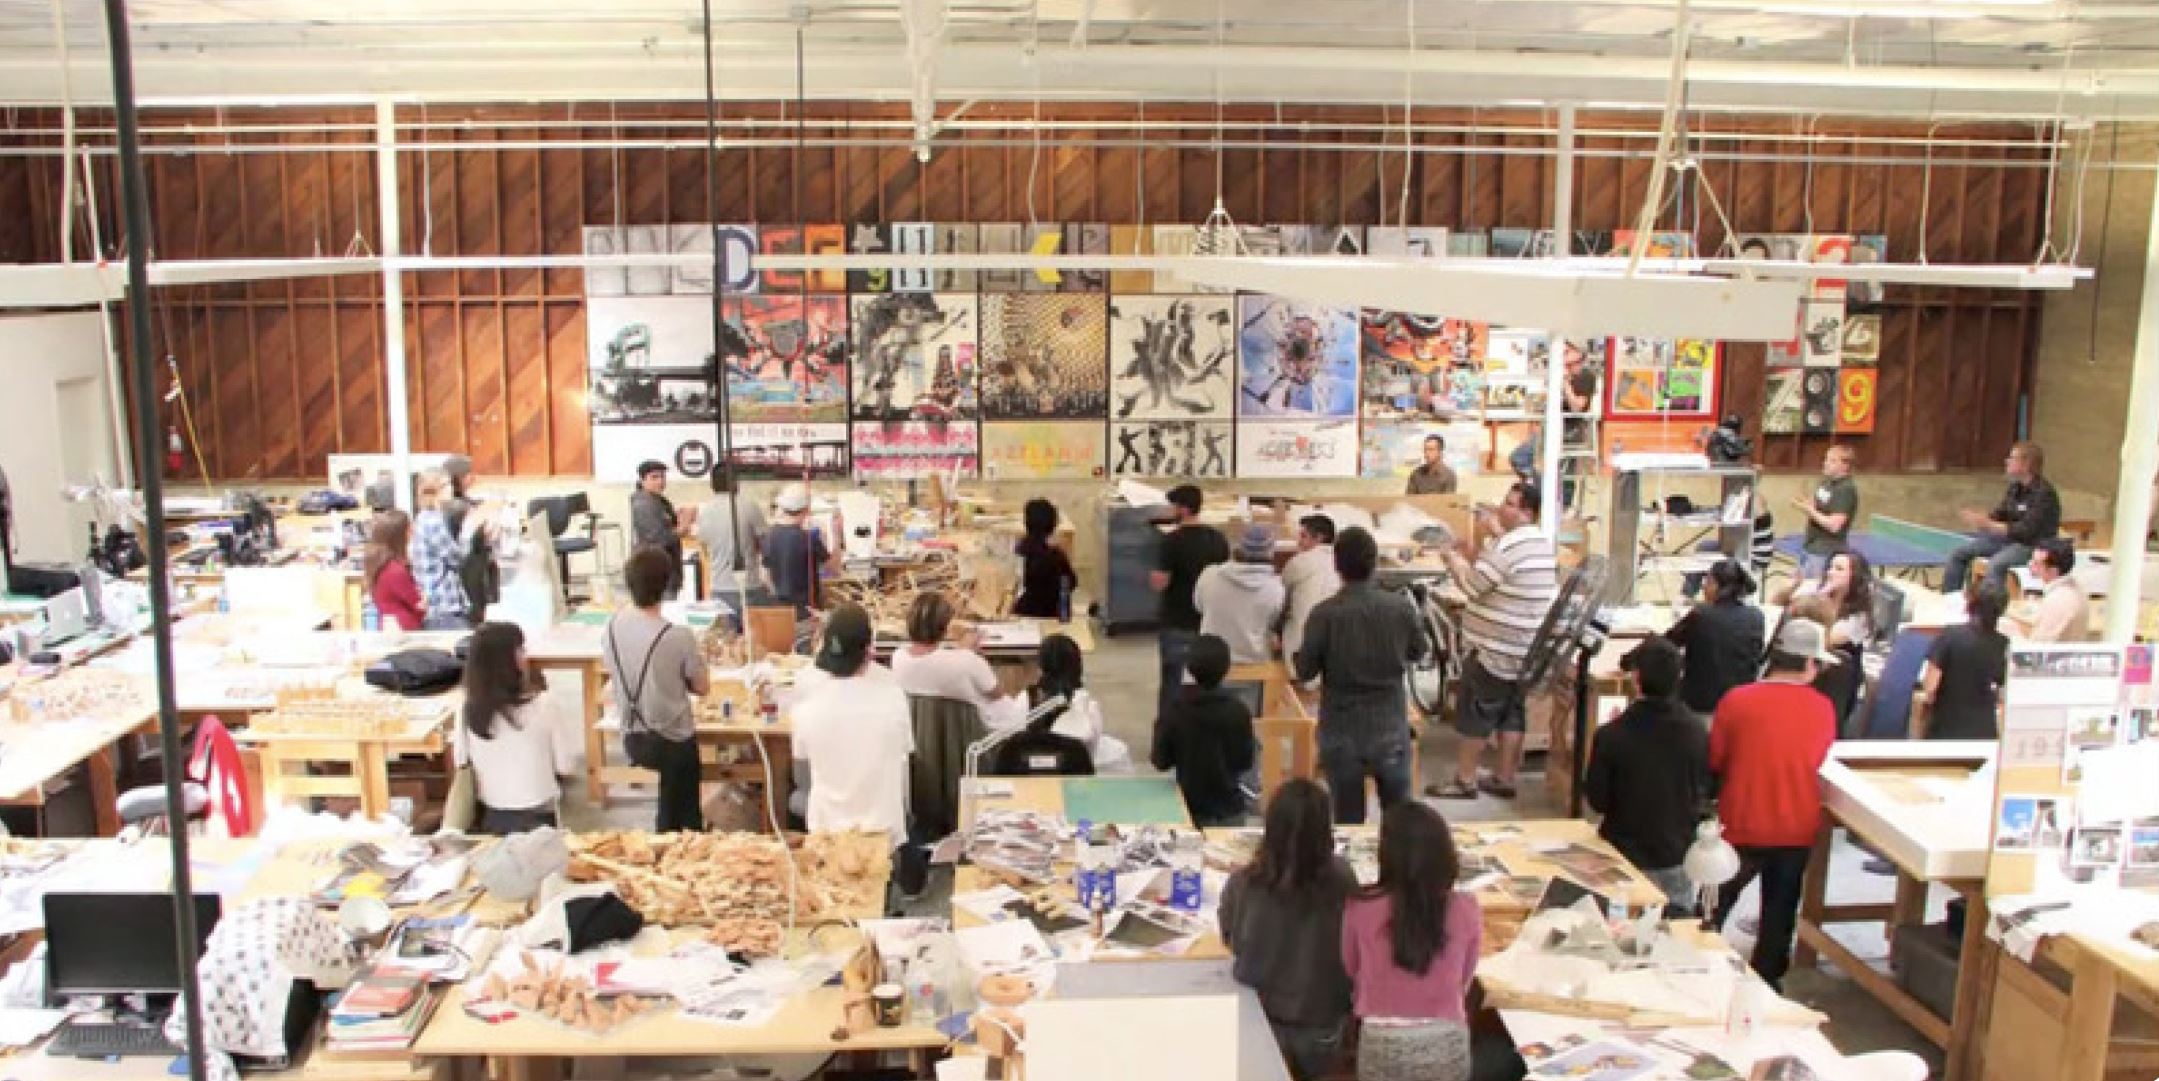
{"points": [[659, 666]]}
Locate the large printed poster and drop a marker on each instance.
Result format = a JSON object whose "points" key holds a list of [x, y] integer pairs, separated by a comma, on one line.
{"points": [[1057, 449], [1171, 448], [904, 450], [650, 359], [1044, 356], [786, 358], [1297, 448], [1172, 357], [1295, 359], [914, 357], [1421, 368]]}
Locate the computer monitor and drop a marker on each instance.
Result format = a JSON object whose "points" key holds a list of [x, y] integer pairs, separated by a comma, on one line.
{"points": [[93, 594], [117, 943]]}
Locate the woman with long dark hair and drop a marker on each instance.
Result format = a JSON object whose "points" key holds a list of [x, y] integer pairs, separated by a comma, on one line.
{"points": [[386, 568], [1410, 945], [518, 751], [1962, 680], [1063, 671], [1046, 576], [1722, 638], [1281, 917]]}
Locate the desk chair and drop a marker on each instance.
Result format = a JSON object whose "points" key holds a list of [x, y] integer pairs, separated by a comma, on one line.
{"points": [[560, 509], [145, 807]]}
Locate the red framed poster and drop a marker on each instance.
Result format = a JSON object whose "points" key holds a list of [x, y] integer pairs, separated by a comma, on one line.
{"points": [[1661, 378]]}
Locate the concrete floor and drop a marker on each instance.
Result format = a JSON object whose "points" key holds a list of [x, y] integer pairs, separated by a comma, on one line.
{"points": [[1122, 674]]}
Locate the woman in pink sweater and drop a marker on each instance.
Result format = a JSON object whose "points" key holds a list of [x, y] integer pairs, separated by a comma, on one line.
{"points": [[1410, 945]]}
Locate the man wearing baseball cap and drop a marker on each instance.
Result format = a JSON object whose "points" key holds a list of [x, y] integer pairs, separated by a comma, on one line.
{"points": [[795, 551], [1766, 746], [855, 731]]}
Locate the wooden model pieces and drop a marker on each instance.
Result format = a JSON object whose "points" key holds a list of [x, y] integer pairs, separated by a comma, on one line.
{"points": [[561, 996], [288, 694], [722, 647], [751, 937], [736, 880], [77, 694], [363, 718]]}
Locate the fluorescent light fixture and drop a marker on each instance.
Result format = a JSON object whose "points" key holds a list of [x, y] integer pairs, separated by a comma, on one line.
{"points": [[60, 285]]}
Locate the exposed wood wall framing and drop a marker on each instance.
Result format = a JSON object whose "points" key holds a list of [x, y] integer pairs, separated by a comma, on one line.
{"points": [[285, 373]]}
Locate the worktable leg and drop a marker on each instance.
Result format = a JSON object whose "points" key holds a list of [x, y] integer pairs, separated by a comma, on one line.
{"points": [[780, 752], [104, 792], [595, 740], [1976, 958], [2091, 1016], [374, 769], [1813, 895], [1910, 908]]}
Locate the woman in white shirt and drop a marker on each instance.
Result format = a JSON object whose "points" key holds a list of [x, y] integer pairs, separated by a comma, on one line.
{"points": [[929, 666], [1062, 672], [517, 749]]}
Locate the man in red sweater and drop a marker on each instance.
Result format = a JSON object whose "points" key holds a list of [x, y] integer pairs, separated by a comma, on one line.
{"points": [[1766, 746]]}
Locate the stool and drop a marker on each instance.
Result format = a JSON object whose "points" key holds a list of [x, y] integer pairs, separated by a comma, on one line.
{"points": [[145, 806]]}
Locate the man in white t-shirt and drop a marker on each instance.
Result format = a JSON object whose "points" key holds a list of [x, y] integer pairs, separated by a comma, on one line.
{"points": [[857, 734], [1309, 578], [2064, 613]]}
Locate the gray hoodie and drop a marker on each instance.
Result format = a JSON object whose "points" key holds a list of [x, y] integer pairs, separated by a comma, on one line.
{"points": [[1240, 603]]}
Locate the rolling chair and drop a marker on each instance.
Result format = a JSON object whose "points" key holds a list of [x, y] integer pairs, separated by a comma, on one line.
{"points": [[560, 510]]}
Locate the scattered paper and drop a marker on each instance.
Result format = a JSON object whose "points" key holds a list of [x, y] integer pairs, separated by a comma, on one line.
{"points": [[2116, 783], [21, 1028]]}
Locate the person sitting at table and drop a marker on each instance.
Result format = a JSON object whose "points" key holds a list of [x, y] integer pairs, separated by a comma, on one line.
{"points": [[1766, 746], [2030, 512], [1205, 738], [1960, 687], [520, 752], [387, 570], [1063, 671], [1046, 576], [932, 667], [1649, 772], [2064, 614], [1281, 919], [857, 733], [1722, 638], [655, 666], [1409, 945], [1241, 601], [1848, 584], [438, 557]]}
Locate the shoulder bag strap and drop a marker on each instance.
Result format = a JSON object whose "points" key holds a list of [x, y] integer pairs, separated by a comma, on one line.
{"points": [[634, 694]]}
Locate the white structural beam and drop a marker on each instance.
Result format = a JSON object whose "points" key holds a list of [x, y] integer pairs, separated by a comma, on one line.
{"points": [[1555, 390], [393, 298], [2140, 453]]}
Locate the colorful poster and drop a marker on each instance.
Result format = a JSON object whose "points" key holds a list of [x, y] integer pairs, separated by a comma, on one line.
{"points": [[914, 357], [1690, 387], [819, 239], [1419, 367], [1297, 448], [650, 359], [1783, 402], [1044, 355], [786, 358], [1862, 338], [1855, 400], [1636, 392], [1172, 357], [1833, 250], [905, 450], [1662, 245], [1392, 450], [1171, 448], [1059, 449], [1295, 359]]}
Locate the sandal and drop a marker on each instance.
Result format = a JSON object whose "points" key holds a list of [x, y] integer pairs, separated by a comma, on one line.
{"points": [[1493, 786], [1454, 789]]}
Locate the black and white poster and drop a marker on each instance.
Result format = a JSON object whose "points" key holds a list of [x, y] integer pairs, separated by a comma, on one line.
{"points": [[1172, 357], [1170, 448]]}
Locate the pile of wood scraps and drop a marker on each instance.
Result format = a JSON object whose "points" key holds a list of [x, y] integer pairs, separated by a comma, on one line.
{"points": [[76, 694], [560, 995], [737, 885], [362, 718]]}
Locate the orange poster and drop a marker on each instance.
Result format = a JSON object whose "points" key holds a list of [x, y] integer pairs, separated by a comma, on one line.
{"points": [[1855, 401]]}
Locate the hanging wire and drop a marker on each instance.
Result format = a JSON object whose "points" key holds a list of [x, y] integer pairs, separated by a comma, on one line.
{"points": [[1034, 126], [427, 189], [2054, 152], [1409, 75], [1653, 199], [1806, 201], [1926, 190]]}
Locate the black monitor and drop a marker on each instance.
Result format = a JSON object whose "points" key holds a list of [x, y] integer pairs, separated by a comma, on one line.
{"points": [[117, 943]]}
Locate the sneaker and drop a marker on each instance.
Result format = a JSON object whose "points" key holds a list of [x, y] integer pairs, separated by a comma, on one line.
{"points": [[1454, 789]]}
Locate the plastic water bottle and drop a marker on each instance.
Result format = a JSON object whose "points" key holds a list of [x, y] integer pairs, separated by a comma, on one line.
{"points": [[224, 598], [1064, 601], [370, 616], [1187, 884], [1097, 873]]}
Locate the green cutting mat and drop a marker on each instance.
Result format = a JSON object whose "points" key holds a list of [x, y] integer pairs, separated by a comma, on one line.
{"points": [[1131, 800]]}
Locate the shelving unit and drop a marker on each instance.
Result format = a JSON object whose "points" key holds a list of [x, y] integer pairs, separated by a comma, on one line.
{"points": [[1629, 560]]}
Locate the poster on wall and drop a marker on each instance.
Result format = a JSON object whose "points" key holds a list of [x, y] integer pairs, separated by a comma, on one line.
{"points": [[914, 357], [1179, 240], [1418, 367], [1050, 450], [1873, 248], [1862, 338], [1297, 448], [1085, 238], [1413, 241], [1662, 245], [905, 450], [786, 358], [1002, 238], [1783, 402], [1171, 448], [1044, 355], [1295, 359], [690, 450], [650, 359], [1855, 400], [605, 281], [738, 247], [1131, 240], [1690, 386], [1393, 450], [1172, 357], [955, 238], [1821, 331], [1818, 386], [826, 238]]}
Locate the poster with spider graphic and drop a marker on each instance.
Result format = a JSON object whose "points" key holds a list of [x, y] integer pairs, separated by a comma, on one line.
{"points": [[1171, 448], [1297, 448], [1419, 367], [1172, 357], [914, 357], [785, 358], [1296, 359], [1051, 450], [1044, 355]]}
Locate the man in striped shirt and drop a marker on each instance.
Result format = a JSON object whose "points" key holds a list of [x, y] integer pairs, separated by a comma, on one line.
{"points": [[1510, 590]]}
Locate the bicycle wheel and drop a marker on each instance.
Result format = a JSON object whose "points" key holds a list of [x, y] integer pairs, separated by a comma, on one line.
{"points": [[1427, 679]]}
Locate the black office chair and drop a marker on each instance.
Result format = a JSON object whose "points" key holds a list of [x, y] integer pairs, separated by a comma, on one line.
{"points": [[560, 511]]}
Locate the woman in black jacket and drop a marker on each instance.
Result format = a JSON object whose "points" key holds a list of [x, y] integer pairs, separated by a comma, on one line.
{"points": [[1722, 638], [1046, 578]]}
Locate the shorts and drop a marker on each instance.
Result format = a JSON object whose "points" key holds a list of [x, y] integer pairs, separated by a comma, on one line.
{"points": [[1487, 703]]}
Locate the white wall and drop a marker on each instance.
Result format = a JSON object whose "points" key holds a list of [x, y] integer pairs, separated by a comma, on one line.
{"points": [[55, 426]]}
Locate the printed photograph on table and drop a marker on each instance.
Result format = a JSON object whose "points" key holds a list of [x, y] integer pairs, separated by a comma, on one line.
{"points": [[1172, 357], [1055, 449], [2093, 727], [1862, 338], [1296, 359], [785, 358], [1044, 356], [1171, 448], [914, 357], [1297, 448], [788, 450], [1420, 367], [904, 451], [2096, 846], [1393, 450], [2144, 843], [651, 359], [1855, 400], [2031, 823]]}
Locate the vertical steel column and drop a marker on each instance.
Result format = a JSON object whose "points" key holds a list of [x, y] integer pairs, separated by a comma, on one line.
{"points": [[393, 296], [2140, 452], [1555, 398]]}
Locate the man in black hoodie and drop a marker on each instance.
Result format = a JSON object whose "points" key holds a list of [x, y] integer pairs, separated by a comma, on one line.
{"points": [[1649, 773], [1205, 738]]}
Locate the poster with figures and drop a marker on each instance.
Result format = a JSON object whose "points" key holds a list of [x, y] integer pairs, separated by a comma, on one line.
{"points": [[1044, 356], [1172, 357], [1171, 448], [1419, 367], [650, 360], [785, 358], [1296, 359], [1050, 450], [1297, 448], [914, 357], [909, 449]]}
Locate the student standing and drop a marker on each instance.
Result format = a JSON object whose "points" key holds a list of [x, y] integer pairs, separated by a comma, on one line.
{"points": [[730, 527], [2064, 614], [1510, 590], [1360, 643], [1241, 601], [2030, 512], [1966, 666], [519, 752], [654, 667], [1410, 947], [794, 552], [1046, 576], [653, 523], [1830, 512], [857, 733], [1722, 637], [1766, 746], [1281, 918], [438, 557], [1307, 579], [1649, 773], [388, 572], [1189, 549], [1205, 738]]}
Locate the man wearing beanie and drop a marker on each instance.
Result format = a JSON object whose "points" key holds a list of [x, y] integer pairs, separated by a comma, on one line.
{"points": [[1241, 601]]}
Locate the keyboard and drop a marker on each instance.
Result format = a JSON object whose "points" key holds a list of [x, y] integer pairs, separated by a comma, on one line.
{"points": [[105, 1040]]}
